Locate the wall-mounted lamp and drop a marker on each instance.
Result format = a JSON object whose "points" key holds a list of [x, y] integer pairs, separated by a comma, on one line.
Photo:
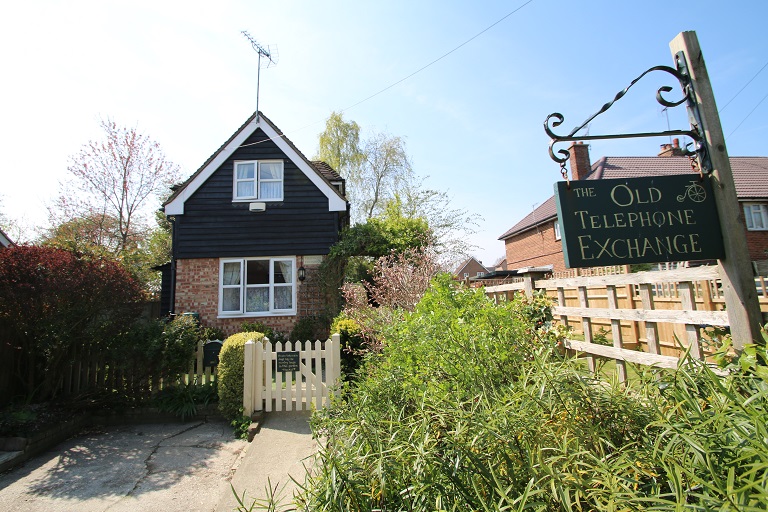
{"points": [[302, 273]]}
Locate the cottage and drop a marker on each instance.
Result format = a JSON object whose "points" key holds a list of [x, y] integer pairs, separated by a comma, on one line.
{"points": [[250, 229]]}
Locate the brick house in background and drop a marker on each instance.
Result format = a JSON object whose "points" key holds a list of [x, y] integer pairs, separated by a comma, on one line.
{"points": [[250, 229], [535, 239], [469, 269]]}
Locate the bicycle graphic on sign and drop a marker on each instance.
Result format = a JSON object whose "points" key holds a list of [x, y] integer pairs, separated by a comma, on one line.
{"points": [[694, 192]]}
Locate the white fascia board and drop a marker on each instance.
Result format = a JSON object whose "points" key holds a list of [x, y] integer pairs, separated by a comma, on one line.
{"points": [[335, 202]]}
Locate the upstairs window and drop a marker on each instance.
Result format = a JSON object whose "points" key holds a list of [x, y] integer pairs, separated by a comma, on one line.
{"points": [[257, 287], [260, 180], [756, 215], [557, 230]]}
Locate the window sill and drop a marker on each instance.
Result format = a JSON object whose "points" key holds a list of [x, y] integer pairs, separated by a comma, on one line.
{"points": [[257, 315], [254, 200]]}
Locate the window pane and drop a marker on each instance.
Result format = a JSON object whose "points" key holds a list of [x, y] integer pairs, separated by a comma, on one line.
{"points": [[257, 299], [748, 216], [245, 189], [257, 272], [231, 299], [231, 273], [759, 218], [245, 171], [271, 171], [283, 272], [283, 297], [271, 190]]}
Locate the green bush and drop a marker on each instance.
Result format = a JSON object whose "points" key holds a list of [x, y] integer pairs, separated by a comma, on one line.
{"points": [[230, 373], [468, 408], [352, 344], [273, 335], [310, 328]]}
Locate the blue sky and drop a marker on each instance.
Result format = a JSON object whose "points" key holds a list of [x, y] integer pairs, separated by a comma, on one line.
{"points": [[184, 74]]}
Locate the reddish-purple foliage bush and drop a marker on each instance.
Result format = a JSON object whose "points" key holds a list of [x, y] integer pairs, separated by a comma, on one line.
{"points": [[399, 281], [55, 304]]}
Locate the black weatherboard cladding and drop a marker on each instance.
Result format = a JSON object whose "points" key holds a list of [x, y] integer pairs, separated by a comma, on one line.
{"points": [[213, 226]]}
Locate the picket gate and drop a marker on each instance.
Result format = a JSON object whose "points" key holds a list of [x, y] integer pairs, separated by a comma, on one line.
{"points": [[317, 376]]}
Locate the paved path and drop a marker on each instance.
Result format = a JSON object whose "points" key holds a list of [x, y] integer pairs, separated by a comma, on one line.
{"points": [[276, 458]]}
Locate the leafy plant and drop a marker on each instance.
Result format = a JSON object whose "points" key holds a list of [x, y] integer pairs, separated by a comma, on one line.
{"points": [[230, 373], [310, 328], [241, 426], [273, 335]]}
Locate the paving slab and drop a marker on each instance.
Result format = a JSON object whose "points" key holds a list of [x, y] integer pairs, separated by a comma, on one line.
{"points": [[279, 455], [179, 466]]}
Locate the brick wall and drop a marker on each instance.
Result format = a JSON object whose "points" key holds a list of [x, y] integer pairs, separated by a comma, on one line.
{"points": [[535, 247], [197, 290], [757, 241]]}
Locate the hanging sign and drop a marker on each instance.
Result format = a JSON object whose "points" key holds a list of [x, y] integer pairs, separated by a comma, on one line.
{"points": [[638, 220]]}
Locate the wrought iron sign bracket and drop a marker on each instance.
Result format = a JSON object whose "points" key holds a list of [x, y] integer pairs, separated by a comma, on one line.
{"points": [[689, 98]]}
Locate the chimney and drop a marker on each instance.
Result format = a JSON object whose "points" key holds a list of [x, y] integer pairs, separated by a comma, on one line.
{"points": [[673, 149], [579, 160]]}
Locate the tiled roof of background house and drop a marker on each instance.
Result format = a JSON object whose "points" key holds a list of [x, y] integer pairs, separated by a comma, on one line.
{"points": [[750, 175]]}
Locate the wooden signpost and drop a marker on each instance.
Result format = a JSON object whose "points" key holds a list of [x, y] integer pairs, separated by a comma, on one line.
{"points": [[690, 217], [738, 281]]}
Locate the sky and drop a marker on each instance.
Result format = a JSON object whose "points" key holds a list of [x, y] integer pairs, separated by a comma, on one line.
{"points": [[467, 85]]}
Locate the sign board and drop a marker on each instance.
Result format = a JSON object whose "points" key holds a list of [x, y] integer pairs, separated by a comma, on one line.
{"points": [[638, 220], [288, 362]]}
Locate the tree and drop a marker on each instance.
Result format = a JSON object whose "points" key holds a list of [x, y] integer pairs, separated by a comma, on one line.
{"points": [[340, 146], [376, 169], [114, 181]]}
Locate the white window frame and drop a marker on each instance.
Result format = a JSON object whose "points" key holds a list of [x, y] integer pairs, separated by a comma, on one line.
{"points": [[257, 181], [557, 230], [480, 274], [751, 210], [243, 286]]}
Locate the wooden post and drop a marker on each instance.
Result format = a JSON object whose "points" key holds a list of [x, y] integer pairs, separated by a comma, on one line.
{"points": [[613, 303], [739, 289], [688, 302]]}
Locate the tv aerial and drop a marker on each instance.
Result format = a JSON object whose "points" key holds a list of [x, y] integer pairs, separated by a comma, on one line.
{"points": [[270, 59]]}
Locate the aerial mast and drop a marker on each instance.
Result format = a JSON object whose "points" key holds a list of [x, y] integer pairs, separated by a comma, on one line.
{"points": [[270, 55]]}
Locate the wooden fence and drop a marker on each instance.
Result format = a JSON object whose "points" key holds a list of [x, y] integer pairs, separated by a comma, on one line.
{"points": [[290, 376], [87, 374], [648, 318]]}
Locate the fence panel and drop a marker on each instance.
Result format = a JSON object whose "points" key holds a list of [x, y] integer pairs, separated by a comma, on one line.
{"points": [[674, 305]]}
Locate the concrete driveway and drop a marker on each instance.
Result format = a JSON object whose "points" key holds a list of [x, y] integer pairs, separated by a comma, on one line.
{"points": [[180, 466]]}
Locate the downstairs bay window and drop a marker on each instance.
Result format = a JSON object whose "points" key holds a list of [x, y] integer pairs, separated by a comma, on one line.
{"points": [[257, 286]]}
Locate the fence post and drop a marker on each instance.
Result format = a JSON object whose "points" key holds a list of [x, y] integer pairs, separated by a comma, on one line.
{"points": [[335, 356], [248, 377], [613, 303], [688, 302]]}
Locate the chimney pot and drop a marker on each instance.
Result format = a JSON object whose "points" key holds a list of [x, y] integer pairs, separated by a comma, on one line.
{"points": [[676, 143]]}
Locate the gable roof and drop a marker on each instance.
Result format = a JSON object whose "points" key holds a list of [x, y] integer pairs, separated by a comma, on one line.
{"points": [[318, 173], [750, 176], [467, 262]]}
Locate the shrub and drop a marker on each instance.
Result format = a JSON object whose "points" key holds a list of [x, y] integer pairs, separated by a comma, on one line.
{"points": [[56, 305], [273, 335], [230, 373], [352, 344], [310, 328]]}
